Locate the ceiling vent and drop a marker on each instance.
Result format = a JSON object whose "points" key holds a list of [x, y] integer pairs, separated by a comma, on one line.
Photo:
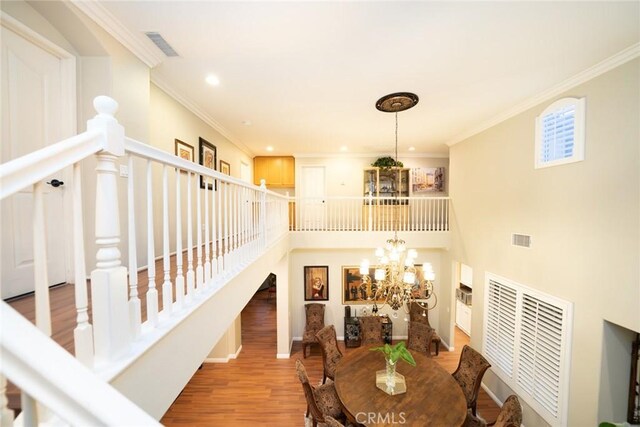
{"points": [[162, 44], [522, 240]]}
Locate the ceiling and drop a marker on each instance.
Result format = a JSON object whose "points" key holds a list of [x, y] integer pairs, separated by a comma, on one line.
{"points": [[307, 74]]}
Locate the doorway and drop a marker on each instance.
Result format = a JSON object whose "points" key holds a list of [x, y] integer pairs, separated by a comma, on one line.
{"points": [[38, 105], [312, 206], [462, 303]]}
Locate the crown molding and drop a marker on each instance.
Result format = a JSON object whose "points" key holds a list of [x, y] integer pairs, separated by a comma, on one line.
{"points": [[200, 113], [370, 155], [608, 64], [146, 51]]}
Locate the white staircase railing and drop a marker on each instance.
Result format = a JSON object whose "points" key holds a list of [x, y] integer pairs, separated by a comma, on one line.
{"points": [[233, 222]]}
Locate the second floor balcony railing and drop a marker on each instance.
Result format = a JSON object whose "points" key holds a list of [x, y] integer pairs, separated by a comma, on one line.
{"points": [[367, 213]]}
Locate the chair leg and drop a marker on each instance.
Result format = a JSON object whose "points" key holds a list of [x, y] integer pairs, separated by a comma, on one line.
{"points": [[324, 377], [473, 409], [437, 348], [304, 351]]}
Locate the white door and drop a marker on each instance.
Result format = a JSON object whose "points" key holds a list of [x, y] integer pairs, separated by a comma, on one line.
{"points": [[35, 110], [245, 174], [312, 208]]}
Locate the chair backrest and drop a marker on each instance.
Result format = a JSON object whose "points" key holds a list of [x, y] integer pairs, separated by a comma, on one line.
{"points": [[420, 336], [331, 422], [418, 314], [314, 316], [331, 354], [308, 392], [511, 413], [371, 329], [471, 369]]}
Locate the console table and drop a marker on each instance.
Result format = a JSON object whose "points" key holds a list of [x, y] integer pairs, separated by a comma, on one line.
{"points": [[352, 331]]}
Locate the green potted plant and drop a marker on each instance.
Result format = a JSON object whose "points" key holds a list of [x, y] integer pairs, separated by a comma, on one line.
{"points": [[392, 354], [387, 163]]}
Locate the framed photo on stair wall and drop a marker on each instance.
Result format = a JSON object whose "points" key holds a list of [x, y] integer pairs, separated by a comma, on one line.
{"points": [[208, 159], [316, 283]]}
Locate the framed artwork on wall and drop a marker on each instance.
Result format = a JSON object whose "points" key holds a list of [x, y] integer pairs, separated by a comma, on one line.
{"points": [[208, 159], [316, 283], [427, 180], [184, 150], [225, 167], [351, 282]]}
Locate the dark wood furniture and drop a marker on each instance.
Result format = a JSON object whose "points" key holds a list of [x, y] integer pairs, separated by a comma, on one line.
{"points": [[433, 397], [353, 335], [633, 411], [420, 315]]}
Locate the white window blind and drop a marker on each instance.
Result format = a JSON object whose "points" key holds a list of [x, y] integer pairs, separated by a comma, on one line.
{"points": [[560, 133], [527, 340]]}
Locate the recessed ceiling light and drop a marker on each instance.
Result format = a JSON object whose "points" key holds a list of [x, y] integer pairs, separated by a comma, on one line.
{"points": [[269, 148], [412, 148], [344, 148], [246, 122], [212, 80]]}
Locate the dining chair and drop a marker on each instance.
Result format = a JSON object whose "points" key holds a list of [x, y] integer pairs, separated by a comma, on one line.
{"points": [[510, 415], [322, 400], [331, 422], [371, 330], [468, 375], [314, 321], [420, 338], [420, 315], [331, 354]]}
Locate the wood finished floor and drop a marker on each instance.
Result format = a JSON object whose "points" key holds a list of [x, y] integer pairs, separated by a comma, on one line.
{"points": [[258, 389], [255, 389]]}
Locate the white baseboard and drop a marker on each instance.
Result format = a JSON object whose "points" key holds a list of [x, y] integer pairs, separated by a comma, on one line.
{"points": [[491, 395], [283, 356], [223, 359], [446, 345]]}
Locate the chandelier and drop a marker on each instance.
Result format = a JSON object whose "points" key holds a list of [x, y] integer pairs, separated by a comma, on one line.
{"points": [[396, 280]]}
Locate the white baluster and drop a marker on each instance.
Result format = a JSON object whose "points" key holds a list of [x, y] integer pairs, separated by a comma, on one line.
{"points": [[214, 240], [29, 410], [83, 332], [6, 414], [152, 292], [135, 311], [221, 242], [190, 272], [167, 288], [263, 210], [199, 268], [207, 262], [43, 311], [179, 273], [224, 188]]}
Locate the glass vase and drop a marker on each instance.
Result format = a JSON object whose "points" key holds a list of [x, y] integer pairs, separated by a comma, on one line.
{"points": [[391, 374]]}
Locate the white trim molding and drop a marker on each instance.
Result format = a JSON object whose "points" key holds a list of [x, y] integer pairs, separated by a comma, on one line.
{"points": [[138, 44], [223, 359], [602, 67]]}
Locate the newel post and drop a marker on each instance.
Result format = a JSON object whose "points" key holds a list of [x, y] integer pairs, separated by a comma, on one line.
{"points": [[112, 337]]}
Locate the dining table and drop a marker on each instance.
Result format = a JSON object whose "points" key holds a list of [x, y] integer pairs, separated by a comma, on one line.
{"points": [[432, 397]]}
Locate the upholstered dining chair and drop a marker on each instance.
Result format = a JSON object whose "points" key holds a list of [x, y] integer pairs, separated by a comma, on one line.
{"points": [[420, 315], [371, 330], [420, 337], [331, 422], [314, 313], [510, 415], [468, 375], [322, 400], [331, 354]]}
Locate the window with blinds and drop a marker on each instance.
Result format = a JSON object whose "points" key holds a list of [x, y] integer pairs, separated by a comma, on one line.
{"points": [[527, 340], [560, 133]]}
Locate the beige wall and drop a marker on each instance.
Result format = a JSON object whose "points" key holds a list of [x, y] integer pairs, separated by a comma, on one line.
{"points": [[345, 177], [583, 218]]}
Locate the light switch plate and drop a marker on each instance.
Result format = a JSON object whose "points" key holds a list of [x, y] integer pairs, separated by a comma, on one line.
{"points": [[124, 171]]}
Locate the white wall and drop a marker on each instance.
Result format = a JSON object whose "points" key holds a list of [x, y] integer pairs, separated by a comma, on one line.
{"points": [[334, 310], [583, 219]]}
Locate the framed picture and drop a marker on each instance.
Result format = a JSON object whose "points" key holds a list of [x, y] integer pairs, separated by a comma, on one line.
{"points": [[351, 281], [184, 150], [225, 167], [427, 180], [316, 283], [208, 159]]}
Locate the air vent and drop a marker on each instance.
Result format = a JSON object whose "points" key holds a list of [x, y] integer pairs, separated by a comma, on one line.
{"points": [[162, 44], [521, 240]]}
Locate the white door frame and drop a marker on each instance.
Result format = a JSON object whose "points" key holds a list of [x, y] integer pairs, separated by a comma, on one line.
{"points": [[303, 194], [69, 122]]}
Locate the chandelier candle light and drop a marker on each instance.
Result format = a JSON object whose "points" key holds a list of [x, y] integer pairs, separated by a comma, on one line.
{"points": [[396, 282]]}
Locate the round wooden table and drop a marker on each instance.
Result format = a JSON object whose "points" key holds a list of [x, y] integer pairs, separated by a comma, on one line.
{"points": [[433, 397]]}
